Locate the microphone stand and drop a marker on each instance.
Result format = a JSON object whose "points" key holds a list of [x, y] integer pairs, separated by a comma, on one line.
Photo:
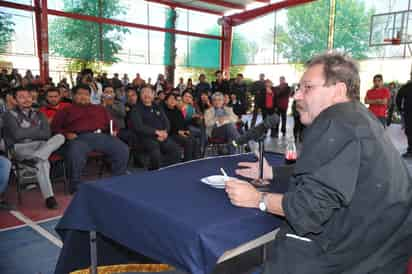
{"points": [[261, 183]]}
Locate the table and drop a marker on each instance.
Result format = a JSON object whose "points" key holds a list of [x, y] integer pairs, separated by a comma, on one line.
{"points": [[167, 215]]}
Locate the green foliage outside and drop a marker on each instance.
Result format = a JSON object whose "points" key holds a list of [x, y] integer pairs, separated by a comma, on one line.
{"points": [[87, 44], [6, 30], [307, 30], [204, 55]]}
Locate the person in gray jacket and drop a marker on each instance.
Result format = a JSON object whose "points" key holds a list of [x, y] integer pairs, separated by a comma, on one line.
{"points": [[27, 132]]}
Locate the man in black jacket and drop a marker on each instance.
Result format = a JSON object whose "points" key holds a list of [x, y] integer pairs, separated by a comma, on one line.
{"points": [[404, 104], [348, 208], [149, 122]]}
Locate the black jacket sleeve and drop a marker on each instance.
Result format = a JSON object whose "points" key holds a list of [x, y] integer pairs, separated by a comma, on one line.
{"points": [[137, 125], [323, 181], [400, 97]]}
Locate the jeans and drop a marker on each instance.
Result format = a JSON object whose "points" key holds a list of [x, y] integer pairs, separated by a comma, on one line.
{"points": [[5, 167], [76, 152]]}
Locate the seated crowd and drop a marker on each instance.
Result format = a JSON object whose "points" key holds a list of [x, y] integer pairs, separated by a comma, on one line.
{"points": [[117, 117]]}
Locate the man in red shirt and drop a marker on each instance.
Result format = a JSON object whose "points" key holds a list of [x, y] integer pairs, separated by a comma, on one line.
{"points": [[85, 127], [54, 104], [377, 98]]}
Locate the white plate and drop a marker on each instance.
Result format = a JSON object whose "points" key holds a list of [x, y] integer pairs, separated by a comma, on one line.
{"points": [[216, 181]]}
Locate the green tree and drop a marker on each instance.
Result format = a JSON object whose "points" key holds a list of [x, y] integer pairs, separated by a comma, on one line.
{"points": [[243, 50], [87, 43], [6, 30], [205, 52], [306, 30]]}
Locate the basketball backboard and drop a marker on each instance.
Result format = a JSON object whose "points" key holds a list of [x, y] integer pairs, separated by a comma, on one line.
{"points": [[391, 28]]}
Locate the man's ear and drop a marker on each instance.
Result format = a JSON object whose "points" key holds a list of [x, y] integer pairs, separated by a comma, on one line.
{"points": [[340, 92]]}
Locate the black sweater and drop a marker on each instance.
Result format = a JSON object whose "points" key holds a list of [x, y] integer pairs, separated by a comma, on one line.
{"points": [[176, 119]]}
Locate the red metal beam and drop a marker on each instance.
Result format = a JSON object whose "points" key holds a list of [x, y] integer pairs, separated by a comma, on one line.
{"points": [[127, 24], [42, 37], [243, 17], [184, 6], [44, 42], [16, 6], [263, 1], [226, 49], [225, 4]]}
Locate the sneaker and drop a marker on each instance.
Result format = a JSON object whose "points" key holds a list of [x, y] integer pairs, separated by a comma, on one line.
{"points": [[30, 186], [407, 155], [6, 206], [29, 163], [51, 203]]}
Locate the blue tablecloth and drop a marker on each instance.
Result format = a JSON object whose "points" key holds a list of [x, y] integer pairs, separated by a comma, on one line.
{"points": [[167, 215]]}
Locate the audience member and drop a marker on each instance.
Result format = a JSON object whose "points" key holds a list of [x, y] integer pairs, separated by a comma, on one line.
{"points": [[116, 110], [258, 88], [404, 104], [116, 82], [65, 94], [179, 130], [202, 86], [8, 103], [35, 96], [27, 132], [149, 122], [125, 80], [86, 127], [220, 120], [378, 98], [96, 88], [5, 168], [189, 85], [392, 102], [239, 89], [220, 84], [138, 82], [238, 107], [267, 103], [54, 104], [160, 84], [181, 86], [204, 102], [283, 92]]}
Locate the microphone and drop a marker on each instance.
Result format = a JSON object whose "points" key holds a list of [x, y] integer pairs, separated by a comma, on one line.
{"points": [[256, 132]]}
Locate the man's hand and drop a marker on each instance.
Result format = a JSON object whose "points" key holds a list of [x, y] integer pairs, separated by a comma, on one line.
{"points": [[70, 136], [161, 135], [222, 120], [164, 134], [242, 194], [251, 170], [181, 133]]}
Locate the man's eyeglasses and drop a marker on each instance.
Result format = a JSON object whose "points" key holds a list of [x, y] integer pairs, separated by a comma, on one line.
{"points": [[305, 88]]}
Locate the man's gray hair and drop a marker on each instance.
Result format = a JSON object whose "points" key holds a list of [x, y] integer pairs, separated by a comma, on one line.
{"points": [[217, 94], [338, 67]]}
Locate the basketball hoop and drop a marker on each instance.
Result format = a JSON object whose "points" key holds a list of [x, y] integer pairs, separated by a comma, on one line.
{"points": [[393, 41]]}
